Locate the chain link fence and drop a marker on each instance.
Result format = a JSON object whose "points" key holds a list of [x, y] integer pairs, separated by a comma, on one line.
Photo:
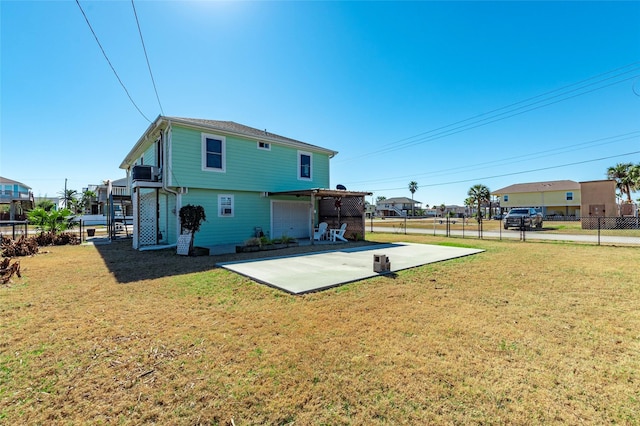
{"points": [[589, 230]]}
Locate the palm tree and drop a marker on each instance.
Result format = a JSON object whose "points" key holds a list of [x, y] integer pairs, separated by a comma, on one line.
{"points": [[413, 187], [85, 201], [479, 194], [626, 177], [69, 197]]}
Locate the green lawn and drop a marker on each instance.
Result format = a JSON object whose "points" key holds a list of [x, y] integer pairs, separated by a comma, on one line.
{"points": [[524, 333]]}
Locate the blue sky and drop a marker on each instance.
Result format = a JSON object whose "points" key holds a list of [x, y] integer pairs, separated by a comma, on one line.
{"points": [[554, 87]]}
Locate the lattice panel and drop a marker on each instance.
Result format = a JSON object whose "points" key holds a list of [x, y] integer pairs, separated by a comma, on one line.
{"points": [[351, 212], [148, 230]]}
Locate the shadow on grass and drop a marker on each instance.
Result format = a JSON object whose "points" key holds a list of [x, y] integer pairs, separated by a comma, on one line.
{"points": [[128, 265]]}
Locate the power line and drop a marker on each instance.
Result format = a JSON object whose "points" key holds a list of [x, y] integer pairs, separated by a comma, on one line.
{"points": [[109, 62], [146, 57], [514, 173], [494, 116], [518, 158]]}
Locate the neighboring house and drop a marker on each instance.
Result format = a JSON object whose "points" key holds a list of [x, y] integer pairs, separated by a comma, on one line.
{"points": [[249, 181], [17, 196], [559, 198], [455, 210], [112, 202], [398, 206], [369, 210]]}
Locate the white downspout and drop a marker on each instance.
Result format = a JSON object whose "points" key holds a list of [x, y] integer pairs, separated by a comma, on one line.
{"points": [[166, 145]]}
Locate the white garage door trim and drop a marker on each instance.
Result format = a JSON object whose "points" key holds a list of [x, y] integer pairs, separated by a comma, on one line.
{"points": [[291, 218]]}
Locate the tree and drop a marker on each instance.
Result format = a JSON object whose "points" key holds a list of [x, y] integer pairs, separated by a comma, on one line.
{"points": [[47, 205], [191, 217], [479, 194], [626, 176], [380, 198], [85, 201], [69, 197], [50, 221], [413, 187]]}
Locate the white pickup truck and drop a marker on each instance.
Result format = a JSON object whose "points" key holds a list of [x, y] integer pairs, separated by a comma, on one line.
{"points": [[526, 218]]}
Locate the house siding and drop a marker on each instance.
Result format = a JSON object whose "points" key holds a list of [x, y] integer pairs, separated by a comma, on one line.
{"points": [[534, 199], [551, 202], [247, 167], [250, 210], [149, 156]]}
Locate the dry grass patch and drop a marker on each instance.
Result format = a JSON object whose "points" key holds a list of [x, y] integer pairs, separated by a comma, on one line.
{"points": [[522, 333]]}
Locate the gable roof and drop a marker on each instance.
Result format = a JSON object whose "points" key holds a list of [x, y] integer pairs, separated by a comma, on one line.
{"points": [[227, 127], [399, 200], [553, 185], [5, 181]]}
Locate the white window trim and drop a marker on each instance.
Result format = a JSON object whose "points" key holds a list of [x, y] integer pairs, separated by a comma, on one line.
{"points": [[300, 154], [233, 209], [266, 145], [566, 196], [204, 137], [505, 198]]}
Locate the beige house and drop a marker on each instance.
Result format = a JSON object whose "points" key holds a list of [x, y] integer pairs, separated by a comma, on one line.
{"points": [[599, 198], [559, 198]]}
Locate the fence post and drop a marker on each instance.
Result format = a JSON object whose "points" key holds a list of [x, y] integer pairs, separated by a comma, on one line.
{"points": [[405, 225], [599, 230]]}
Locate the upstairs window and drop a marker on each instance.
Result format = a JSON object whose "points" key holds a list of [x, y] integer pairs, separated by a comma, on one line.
{"points": [[569, 196], [304, 165], [225, 206], [264, 145], [505, 198], [213, 152]]}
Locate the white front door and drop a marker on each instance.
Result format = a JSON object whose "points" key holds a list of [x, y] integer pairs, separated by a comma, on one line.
{"points": [[290, 218]]}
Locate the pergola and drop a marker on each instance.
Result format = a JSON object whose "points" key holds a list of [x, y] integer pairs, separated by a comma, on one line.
{"points": [[335, 206]]}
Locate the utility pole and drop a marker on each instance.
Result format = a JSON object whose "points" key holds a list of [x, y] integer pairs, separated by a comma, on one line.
{"points": [[65, 193]]}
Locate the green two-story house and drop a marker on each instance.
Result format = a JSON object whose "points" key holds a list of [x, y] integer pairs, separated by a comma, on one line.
{"points": [[249, 181]]}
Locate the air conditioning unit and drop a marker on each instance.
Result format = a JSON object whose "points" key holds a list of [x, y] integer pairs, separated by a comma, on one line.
{"points": [[146, 173]]}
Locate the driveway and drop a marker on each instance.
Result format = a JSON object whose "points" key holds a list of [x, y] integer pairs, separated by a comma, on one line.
{"points": [[317, 271]]}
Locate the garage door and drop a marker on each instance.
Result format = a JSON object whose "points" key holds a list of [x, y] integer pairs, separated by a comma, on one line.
{"points": [[290, 218]]}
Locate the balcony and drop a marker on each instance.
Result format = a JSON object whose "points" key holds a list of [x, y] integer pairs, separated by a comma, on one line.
{"points": [[10, 196]]}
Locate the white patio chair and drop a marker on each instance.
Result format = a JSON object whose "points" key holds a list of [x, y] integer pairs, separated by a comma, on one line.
{"points": [[320, 233], [338, 234]]}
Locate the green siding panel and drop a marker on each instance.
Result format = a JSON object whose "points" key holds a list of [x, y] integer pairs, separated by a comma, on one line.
{"points": [[247, 167], [250, 210]]}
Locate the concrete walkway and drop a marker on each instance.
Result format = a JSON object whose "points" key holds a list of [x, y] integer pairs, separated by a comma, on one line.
{"points": [[318, 271]]}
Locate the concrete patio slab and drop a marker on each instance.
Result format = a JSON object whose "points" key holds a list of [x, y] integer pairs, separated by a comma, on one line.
{"points": [[317, 271]]}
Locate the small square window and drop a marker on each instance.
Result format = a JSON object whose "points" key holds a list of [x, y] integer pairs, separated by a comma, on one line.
{"points": [[264, 145], [225, 206], [569, 196], [505, 198]]}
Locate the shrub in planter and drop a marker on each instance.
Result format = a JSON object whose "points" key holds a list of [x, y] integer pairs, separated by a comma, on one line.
{"points": [[191, 217]]}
